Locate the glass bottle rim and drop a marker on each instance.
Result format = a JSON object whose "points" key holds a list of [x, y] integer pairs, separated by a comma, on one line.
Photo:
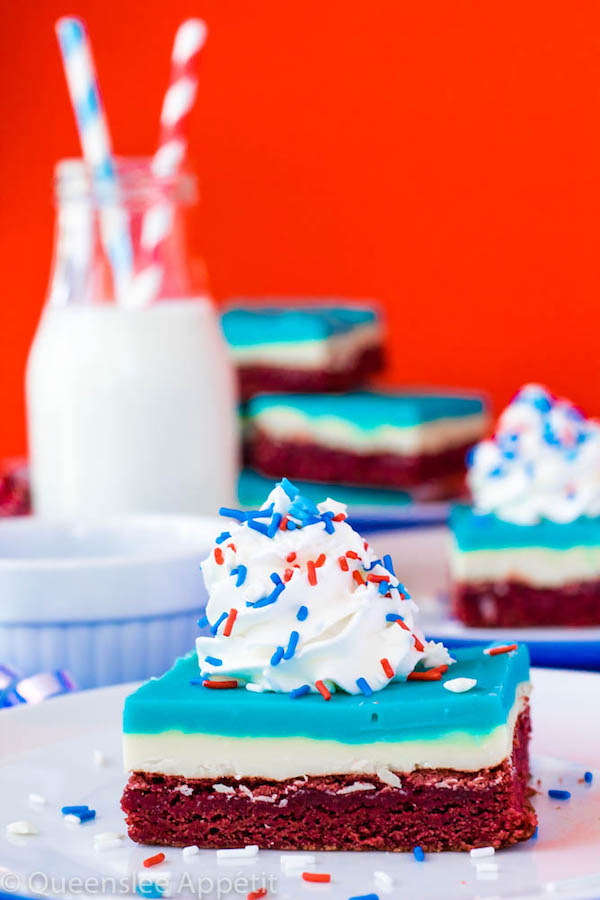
{"points": [[137, 184]]}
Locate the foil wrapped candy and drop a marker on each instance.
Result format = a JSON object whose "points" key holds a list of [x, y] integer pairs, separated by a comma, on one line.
{"points": [[15, 690]]}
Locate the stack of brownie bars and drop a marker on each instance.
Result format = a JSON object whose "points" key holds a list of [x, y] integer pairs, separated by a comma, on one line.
{"points": [[309, 413]]}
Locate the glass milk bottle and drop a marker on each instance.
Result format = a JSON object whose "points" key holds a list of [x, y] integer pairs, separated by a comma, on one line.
{"points": [[131, 402]]}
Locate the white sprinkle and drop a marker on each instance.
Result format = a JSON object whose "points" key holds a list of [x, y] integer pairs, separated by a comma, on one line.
{"points": [[249, 850], [246, 790], [21, 827], [37, 800], [185, 789], [109, 844], [223, 789], [479, 852], [99, 758], [254, 688], [357, 786], [72, 819], [382, 879], [389, 777], [487, 867], [190, 851], [460, 685], [264, 798], [108, 836], [291, 863]]}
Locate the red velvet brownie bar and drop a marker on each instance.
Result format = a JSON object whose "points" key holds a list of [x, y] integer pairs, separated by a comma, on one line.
{"points": [[317, 715], [528, 552], [287, 347]]}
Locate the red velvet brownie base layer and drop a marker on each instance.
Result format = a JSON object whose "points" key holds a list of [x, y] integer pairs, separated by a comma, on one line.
{"points": [[312, 462], [506, 604], [439, 809], [256, 379]]}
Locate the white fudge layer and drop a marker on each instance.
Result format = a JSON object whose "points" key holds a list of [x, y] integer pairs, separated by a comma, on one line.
{"points": [[332, 353], [212, 756], [285, 424], [537, 566]]}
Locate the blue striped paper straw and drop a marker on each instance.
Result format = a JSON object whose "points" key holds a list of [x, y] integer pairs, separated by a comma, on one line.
{"points": [[96, 145]]}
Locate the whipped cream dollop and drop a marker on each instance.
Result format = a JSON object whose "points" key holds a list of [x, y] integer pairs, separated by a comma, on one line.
{"points": [[298, 602], [543, 462]]}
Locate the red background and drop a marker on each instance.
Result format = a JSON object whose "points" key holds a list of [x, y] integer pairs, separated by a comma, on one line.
{"points": [[442, 157]]}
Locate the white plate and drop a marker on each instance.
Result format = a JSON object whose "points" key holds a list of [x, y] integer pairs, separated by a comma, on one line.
{"points": [[421, 561], [48, 749]]}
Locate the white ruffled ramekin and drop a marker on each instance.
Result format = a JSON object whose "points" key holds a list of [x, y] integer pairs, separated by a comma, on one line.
{"points": [[109, 601]]}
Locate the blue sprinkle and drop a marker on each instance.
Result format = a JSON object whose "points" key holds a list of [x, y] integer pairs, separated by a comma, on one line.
{"points": [[384, 587], [418, 853], [258, 526], [302, 613], [292, 644], [74, 810], [542, 403], [213, 660], [291, 525], [277, 656], [300, 692], [199, 679], [274, 525], [223, 537], [535, 834], [275, 578], [387, 561], [376, 562], [329, 526], [588, 777], [393, 617], [470, 457], [556, 794], [403, 590], [203, 622], [496, 472], [364, 686], [217, 624], [290, 489], [241, 575], [150, 890], [266, 601], [366, 897], [85, 815], [232, 513]]}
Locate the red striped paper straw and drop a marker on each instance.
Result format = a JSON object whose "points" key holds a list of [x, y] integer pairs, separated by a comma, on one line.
{"points": [[173, 142]]}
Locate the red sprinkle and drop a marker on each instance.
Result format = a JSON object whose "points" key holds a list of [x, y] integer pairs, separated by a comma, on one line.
{"points": [[402, 624], [154, 860], [321, 559], [317, 877], [340, 517], [312, 574], [378, 578], [232, 547], [358, 577], [256, 895], [365, 545], [288, 574], [220, 685], [494, 651], [291, 557], [343, 563], [229, 623], [351, 554], [283, 527], [428, 675], [218, 556], [387, 668], [325, 694], [418, 644]]}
